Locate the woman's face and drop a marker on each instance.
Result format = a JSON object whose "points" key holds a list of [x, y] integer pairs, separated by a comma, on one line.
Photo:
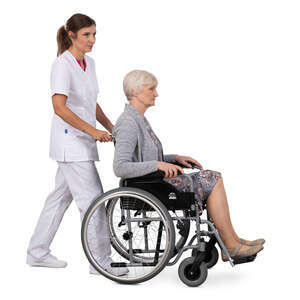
{"points": [[85, 40], [147, 95]]}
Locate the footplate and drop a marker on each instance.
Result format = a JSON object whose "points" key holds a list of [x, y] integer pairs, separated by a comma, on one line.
{"points": [[134, 251], [243, 260], [123, 265]]}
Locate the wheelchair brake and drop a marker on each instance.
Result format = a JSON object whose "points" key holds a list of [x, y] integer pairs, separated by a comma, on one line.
{"points": [[183, 226], [122, 223], [143, 224]]}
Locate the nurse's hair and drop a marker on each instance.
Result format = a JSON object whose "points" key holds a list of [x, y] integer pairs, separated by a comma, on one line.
{"points": [[135, 80], [75, 23]]}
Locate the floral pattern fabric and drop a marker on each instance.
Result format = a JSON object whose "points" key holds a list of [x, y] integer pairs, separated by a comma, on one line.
{"points": [[156, 141], [201, 182]]}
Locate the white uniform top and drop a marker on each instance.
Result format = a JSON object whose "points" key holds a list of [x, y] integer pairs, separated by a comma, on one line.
{"points": [[81, 88]]}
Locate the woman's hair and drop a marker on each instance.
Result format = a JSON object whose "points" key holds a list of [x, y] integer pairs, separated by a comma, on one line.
{"points": [[75, 23], [135, 80]]}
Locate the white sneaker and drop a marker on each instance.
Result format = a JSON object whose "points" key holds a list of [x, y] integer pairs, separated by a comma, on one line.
{"points": [[114, 271], [49, 262], [121, 271]]}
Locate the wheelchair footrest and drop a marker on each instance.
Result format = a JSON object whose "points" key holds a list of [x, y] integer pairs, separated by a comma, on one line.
{"points": [[122, 264], [118, 265], [243, 260], [136, 251], [145, 251]]}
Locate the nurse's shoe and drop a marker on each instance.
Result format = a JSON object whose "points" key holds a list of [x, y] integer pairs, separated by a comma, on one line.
{"points": [[114, 271], [49, 262]]}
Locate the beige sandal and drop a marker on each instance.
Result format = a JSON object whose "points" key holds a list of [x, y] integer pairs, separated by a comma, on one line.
{"points": [[236, 253], [252, 243]]}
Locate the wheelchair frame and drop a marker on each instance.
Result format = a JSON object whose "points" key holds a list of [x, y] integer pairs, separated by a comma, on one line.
{"points": [[193, 270]]}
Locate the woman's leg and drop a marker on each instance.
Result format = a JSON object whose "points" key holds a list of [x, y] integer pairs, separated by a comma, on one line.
{"points": [[218, 210]]}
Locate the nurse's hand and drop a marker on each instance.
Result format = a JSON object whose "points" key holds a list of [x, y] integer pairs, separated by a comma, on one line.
{"points": [[101, 135]]}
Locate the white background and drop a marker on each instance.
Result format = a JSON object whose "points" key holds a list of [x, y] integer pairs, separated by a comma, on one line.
{"points": [[228, 89]]}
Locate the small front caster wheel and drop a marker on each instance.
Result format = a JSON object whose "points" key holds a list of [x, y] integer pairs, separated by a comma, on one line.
{"points": [[190, 278], [211, 257]]}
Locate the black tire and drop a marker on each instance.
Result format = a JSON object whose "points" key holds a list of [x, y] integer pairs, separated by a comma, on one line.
{"points": [[189, 279], [165, 218], [211, 257]]}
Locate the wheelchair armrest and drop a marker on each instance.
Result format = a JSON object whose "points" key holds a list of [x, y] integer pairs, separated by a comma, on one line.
{"points": [[179, 164], [185, 167], [157, 175]]}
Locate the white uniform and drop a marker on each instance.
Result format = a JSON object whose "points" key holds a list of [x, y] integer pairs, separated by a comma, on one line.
{"points": [[77, 177], [68, 78]]}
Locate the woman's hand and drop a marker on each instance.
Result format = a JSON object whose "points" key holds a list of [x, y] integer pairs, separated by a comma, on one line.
{"points": [[101, 136], [184, 160], [169, 169]]}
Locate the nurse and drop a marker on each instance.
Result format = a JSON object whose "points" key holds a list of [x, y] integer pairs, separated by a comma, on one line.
{"points": [[74, 91]]}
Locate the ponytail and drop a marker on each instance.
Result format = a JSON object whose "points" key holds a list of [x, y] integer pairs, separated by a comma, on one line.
{"points": [[63, 40]]}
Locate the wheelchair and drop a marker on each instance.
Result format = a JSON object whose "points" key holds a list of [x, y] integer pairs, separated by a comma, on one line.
{"points": [[149, 224]]}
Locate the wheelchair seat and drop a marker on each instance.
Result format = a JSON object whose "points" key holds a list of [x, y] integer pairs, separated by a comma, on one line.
{"points": [[162, 190]]}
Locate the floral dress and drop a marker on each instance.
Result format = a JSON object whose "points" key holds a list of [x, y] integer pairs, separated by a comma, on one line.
{"points": [[201, 182]]}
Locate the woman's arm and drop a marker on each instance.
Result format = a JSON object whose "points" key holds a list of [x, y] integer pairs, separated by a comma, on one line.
{"points": [[170, 158], [186, 160], [102, 119], [126, 135], [60, 108]]}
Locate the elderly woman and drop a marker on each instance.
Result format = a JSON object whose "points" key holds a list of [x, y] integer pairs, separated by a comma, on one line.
{"points": [[138, 152]]}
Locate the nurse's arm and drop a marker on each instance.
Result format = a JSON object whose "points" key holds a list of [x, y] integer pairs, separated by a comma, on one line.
{"points": [[59, 104], [102, 119]]}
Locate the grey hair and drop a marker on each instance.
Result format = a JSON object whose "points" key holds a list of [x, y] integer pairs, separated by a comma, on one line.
{"points": [[135, 80]]}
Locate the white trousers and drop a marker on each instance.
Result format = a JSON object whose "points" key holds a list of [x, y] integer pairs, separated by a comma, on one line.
{"points": [[78, 181]]}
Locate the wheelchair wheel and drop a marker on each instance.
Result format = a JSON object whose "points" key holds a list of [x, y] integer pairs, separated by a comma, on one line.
{"points": [[211, 257], [195, 278], [119, 234], [115, 215], [142, 237]]}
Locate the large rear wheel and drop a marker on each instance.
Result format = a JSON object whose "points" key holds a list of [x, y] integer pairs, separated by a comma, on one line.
{"points": [[140, 230]]}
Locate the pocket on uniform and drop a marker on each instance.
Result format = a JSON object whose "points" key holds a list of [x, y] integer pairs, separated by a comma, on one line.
{"points": [[80, 112]]}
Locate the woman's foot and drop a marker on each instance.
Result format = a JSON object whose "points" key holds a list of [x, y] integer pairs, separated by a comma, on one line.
{"points": [[252, 243], [242, 251]]}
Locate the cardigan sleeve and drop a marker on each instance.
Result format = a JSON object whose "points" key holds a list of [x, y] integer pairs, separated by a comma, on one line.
{"points": [[126, 136], [170, 158]]}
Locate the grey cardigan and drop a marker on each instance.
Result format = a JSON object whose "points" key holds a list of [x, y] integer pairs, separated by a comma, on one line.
{"points": [[135, 152]]}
